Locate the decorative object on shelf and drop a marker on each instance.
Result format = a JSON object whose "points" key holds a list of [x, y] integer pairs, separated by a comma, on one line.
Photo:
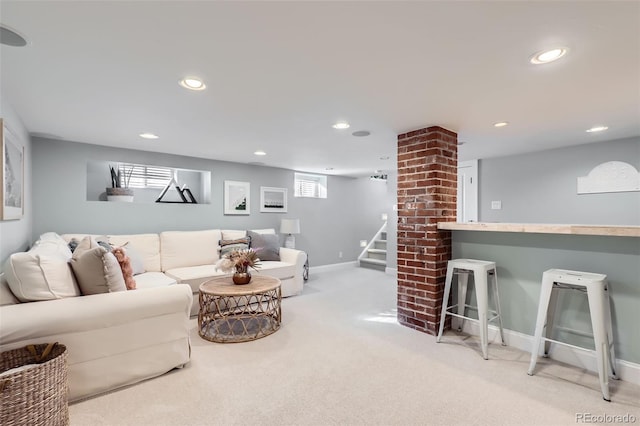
{"points": [[185, 193], [120, 190], [290, 227], [237, 197], [11, 175], [239, 262], [273, 200]]}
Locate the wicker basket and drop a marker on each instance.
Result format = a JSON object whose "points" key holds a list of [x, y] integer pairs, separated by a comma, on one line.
{"points": [[36, 395]]}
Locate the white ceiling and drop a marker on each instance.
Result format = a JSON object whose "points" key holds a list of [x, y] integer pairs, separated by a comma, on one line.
{"points": [[279, 74]]}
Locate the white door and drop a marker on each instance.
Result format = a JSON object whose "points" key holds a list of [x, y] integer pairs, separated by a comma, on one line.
{"points": [[467, 210]]}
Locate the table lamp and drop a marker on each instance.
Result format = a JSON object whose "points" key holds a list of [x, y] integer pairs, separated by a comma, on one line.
{"points": [[290, 227]]}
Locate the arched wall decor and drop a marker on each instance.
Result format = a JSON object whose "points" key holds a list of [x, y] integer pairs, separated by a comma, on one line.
{"points": [[612, 176]]}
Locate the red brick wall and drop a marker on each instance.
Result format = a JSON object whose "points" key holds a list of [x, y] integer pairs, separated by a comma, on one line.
{"points": [[427, 182]]}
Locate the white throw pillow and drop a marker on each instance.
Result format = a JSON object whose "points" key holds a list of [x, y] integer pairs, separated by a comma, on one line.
{"points": [[37, 275]]}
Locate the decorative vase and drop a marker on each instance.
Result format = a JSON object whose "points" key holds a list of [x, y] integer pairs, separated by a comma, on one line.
{"points": [[120, 194], [241, 278]]}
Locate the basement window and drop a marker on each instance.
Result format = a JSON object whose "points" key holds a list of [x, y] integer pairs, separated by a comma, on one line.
{"points": [[145, 176], [310, 186]]}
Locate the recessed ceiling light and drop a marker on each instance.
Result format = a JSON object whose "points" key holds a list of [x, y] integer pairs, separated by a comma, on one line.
{"points": [[148, 136], [547, 56], [341, 125], [597, 129], [9, 37], [500, 124], [192, 83], [260, 153], [361, 133]]}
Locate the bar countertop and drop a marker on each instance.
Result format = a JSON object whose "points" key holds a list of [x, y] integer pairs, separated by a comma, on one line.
{"points": [[544, 228]]}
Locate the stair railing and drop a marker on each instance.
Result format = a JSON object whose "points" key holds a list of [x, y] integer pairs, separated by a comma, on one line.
{"points": [[372, 242]]}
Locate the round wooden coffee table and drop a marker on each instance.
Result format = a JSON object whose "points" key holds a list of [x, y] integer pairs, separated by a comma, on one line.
{"points": [[239, 313]]}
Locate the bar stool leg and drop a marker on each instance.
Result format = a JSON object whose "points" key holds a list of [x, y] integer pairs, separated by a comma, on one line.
{"points": [[596, 306], [497, 302], [483, 307], [551, 311], [607, 317], [445, 300], [545, 295], [463, 280]]}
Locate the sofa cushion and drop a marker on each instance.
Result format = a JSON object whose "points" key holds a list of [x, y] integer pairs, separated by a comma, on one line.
{"points": [[97, 271], [147, 245], [43, 272], [6, 296], [230, 234], [189, 248], [280, 270], [194, 275], [153, 280], [267, 245]]}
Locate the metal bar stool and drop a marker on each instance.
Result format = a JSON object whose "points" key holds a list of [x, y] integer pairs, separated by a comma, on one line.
{"points": [[598, 294], [481, 270]]}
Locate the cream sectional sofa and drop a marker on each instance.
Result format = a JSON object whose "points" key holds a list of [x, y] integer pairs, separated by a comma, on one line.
{"points": [[119, 338], [189, 257], [113, 339]]}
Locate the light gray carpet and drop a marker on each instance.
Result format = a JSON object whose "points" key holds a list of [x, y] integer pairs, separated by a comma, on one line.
{"points": [[340, 358]]}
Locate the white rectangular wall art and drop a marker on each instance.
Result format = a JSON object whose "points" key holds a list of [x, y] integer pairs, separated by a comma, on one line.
{"points": [[11, 175], [273, 200], [237, 197]]}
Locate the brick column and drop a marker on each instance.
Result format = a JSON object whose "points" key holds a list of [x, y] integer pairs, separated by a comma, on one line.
{"points": [[427, 189]]}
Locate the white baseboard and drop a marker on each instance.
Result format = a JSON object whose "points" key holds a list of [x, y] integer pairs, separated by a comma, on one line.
{"points": [[627, 371], [332, 267], [391, 271]]}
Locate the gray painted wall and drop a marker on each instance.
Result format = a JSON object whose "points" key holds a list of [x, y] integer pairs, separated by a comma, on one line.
{"points": [[15, 235], [328, 226], [540, 187]]}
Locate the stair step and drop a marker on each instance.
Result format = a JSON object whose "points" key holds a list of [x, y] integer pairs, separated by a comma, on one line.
{"points": [[377, 251], [373, 261], [379, 265]]}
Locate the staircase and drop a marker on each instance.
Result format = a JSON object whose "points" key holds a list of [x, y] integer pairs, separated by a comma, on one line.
{"points": [[374, 256]]}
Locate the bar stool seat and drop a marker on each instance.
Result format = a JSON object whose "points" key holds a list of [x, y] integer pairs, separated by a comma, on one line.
{"points": [[481, 270], [597, 290]]}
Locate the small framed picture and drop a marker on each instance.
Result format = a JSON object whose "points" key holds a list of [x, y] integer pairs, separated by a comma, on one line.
{"points": [[237, 197], [273, 200], [11, 175]]}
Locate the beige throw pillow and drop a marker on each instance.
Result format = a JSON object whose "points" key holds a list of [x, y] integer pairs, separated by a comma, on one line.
{"points": [[97, 271]]}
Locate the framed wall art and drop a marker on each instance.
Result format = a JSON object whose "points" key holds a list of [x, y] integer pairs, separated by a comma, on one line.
{"points": [[11, 176], [237, 198], [273, 200]]}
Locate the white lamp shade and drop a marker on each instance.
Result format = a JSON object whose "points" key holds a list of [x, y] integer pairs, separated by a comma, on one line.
{"points": [[290, 226]]}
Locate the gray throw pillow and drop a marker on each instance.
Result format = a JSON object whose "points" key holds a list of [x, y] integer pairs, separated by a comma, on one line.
{"points": [[267, 245], [97, 271], [137, 261]]}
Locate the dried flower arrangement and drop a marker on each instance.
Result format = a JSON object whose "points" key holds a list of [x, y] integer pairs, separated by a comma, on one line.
{"points": [[239, 260]]}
